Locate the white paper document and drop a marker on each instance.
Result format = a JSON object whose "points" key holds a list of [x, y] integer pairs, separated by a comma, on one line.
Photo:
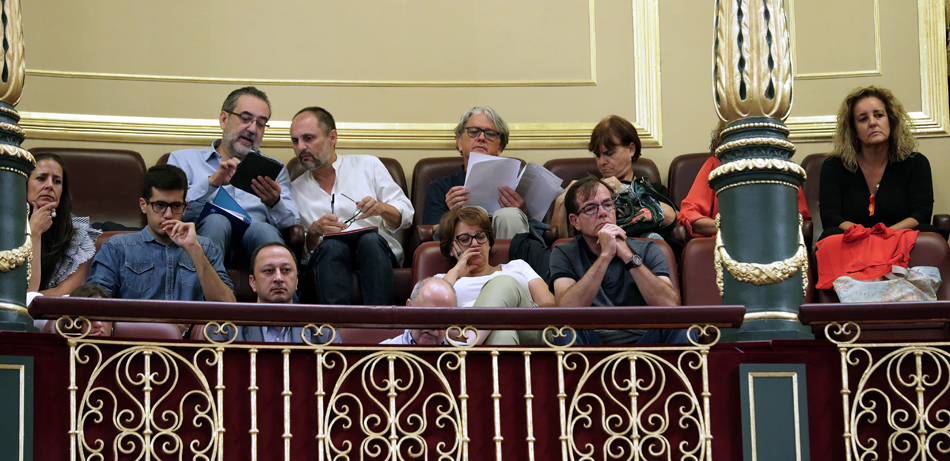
{"points": [[486, 174]]}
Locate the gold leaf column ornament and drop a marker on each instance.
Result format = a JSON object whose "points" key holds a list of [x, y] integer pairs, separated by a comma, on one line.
{"points": [[14, 64], [752, 65], [15, 166], [759, 238]]}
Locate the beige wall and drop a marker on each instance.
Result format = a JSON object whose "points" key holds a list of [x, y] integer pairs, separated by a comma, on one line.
{"points": [[150, 76]]}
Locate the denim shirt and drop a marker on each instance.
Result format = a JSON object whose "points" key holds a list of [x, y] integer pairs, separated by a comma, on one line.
{"points": [[136, 266]]}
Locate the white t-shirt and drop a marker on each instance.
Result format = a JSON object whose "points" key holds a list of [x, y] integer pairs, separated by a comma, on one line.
{"points": [[467, 289]]}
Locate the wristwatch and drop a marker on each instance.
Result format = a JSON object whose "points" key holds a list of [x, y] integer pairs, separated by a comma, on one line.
{"points": [[635, 261]]}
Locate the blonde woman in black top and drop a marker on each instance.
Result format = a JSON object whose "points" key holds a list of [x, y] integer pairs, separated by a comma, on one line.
{"points": [[874, 174]]}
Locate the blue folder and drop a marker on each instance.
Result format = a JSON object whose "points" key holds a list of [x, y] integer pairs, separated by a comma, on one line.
{"points": [[225, 205]]}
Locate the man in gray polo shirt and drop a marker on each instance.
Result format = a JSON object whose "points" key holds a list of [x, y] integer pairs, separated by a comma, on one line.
{"points": [[602, 267]]}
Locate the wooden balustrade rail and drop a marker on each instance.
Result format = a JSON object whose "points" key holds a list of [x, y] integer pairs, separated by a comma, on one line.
{"points": [[729, 316]]}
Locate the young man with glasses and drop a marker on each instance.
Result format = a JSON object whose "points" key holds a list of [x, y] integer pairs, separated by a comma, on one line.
{"points": [[602, 267], [167, 259], [243, 118], [337, 193], [480, 130]]}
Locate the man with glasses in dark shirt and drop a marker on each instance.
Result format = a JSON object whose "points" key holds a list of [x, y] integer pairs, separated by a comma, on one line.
{"points": [[167, 259], [480, 130], [243, 118], [602, 267]]}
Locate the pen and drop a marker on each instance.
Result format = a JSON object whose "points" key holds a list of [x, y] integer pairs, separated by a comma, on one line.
{"points": [[332, 200]]}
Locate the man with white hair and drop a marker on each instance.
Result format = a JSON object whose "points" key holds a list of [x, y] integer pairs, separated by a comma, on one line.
{"points": [[430, 292], [480, 130]]}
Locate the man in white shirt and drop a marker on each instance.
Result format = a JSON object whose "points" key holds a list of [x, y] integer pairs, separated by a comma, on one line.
{"points": [[430, 292], [274, 279], [343, 193]]}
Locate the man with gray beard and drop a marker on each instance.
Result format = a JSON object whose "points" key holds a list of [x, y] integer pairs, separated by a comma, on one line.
{"points": [[243, 118], [342, 193]]}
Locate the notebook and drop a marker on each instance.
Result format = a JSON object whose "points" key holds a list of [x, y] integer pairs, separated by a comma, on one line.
{"points": [[351, 235], [225, 205]]}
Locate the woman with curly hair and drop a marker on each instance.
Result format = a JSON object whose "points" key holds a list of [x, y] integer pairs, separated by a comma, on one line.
{"points": [[874, 175], [62, 244]]}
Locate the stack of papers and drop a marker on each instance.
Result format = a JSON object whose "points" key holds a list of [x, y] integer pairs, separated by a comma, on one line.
{"points": [[535, 183]]}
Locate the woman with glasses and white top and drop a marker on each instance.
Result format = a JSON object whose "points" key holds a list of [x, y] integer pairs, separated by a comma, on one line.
{"points": [[466, 242]]}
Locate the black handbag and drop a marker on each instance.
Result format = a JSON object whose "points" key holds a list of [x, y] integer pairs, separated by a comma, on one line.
{"points": [[638, 209]]}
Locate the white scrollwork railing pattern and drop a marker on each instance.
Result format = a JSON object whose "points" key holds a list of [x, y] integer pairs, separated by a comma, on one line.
{"points": [[394, 418], [645, 404], [168, 400], [150, 401], [899, 407]]}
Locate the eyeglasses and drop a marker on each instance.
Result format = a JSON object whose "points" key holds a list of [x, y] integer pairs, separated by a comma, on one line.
{"points": [[355, 215], [466, 239], [247, 118], [591, 209], [474, 131], [160, 207]]}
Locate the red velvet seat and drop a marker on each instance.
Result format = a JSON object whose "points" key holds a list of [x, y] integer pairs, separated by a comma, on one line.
{"points": [[105, 184], [682, 174], [146, 330], [699, 274], [680, 178], [426, 171]]}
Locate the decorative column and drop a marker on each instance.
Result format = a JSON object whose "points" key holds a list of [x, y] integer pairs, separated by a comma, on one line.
{"points": [[761, 257], [15, 165]]}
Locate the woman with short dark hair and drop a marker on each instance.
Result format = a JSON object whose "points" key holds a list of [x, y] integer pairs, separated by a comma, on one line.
{"points": [[466, 241]]}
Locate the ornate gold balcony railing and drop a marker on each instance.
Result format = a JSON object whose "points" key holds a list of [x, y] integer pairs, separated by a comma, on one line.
{"points": [[895, 399], [228, 400]]}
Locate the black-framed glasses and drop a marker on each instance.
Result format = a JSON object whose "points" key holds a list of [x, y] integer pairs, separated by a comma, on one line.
{"points": [[247, 117], [466, 239], [355, 215], [591, 209], [160, 206], [474, 131]]}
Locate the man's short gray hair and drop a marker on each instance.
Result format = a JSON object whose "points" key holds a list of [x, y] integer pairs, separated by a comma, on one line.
{"points": [[500, 126], [231, 101], [416, 290]]}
